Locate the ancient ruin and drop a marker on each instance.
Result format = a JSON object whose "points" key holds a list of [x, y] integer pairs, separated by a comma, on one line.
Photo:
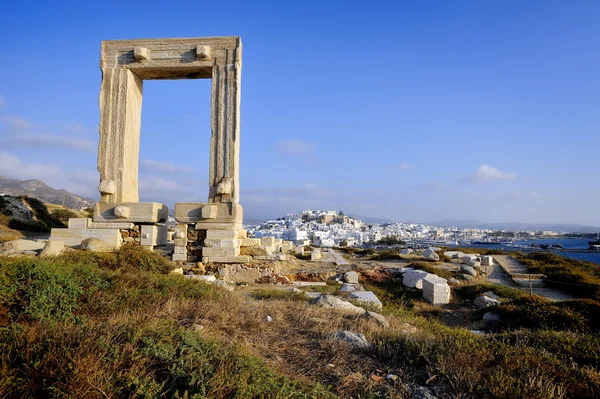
{"points": [[211, 231]]}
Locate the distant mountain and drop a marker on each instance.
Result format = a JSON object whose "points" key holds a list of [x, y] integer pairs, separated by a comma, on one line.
{"points": [[477, 224], [40, 190]]}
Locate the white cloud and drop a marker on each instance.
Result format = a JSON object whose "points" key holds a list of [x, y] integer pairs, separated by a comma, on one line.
{"points": [[12, 166], [16, 123], [48, 141], [2, 101], [294, 146], [486, 173], [163, 167]]}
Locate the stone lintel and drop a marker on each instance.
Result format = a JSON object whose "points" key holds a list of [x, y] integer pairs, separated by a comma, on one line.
{"points": [[218, 226], [136, 212], [192, 212], [226, 259]]}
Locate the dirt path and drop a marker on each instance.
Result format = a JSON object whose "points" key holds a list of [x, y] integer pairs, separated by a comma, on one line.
{"points": [[504, 265]]}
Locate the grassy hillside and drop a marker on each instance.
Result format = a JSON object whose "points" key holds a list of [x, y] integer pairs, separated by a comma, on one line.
{"points": [[116, 326]]}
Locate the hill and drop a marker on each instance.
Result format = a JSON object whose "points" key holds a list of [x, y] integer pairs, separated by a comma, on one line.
{"points": [[516, 226], [40, 190]]}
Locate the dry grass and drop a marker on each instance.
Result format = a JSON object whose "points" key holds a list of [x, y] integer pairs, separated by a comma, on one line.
{"points": [[80, 327]]}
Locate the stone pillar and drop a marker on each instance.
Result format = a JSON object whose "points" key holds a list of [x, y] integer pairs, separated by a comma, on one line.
{"points": [[224, 184], [120, 122]]}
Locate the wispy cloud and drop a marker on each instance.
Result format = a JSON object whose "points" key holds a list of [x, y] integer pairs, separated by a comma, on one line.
{"points": [[16, 123], [404, 167], [48, 141], [75, 128], [2, 101], [294, 146], [82, 182], [163, 167], [486, 173]]}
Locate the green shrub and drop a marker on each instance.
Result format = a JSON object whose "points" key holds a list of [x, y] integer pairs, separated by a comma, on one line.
{"points": [[578, 278], [63, 215], [387, 255], [139, 258]]}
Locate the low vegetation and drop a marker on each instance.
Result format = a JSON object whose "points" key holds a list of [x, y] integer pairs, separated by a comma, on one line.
{"points": [[578, 278], [41, 222], [115, 325]]}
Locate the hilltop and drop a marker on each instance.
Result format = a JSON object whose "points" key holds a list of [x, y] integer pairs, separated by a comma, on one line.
{"points": [[40, 190]]}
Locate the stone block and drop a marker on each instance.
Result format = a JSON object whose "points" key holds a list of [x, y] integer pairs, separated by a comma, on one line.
{"points": [[180, 257], [137, 212], [78, 223], [218, 226], [414, 278], [224, 212], [250, 242], [154, 235], [226, 259], [299, 250], [436, 290], [74, 237], [278, 241], [487, 260], [180, 234], [110, 225], [220, 252], [221, 234], [221, 243], [253, 251], [315, 254], [368, 298], [268, 241], [53, 248], [179, 249], [277, 257], [242, 234]]}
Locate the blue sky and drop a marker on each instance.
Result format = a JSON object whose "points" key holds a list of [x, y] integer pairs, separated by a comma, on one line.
{"points": [[409, 110]]}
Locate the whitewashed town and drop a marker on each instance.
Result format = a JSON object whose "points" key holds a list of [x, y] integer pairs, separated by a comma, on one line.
{"points": [[335, 229]]}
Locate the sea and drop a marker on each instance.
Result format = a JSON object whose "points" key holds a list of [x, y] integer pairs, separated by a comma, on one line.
{"points": [[567, 243]]}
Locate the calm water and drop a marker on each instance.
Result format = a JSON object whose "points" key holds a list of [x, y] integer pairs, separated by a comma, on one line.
{"points": [[591, 256]]}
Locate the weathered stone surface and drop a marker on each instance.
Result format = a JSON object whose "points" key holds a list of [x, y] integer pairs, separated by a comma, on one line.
{"points": [[239, 273], [485, 302], [414, 278], [330, 301], [368, 298], [194, 212], [221, 243], [436, 290], [430, 254], [53, 248], [299, 250], [136, 212], [253, 251], [468, 270], [154, 235], [315, 254], [207, 278], [74, 237], [268, 241], [491, 318], [20, 246], [309, 283], [353, 339], [381, 320], [224, 285], [95, 245], [351, 277], [250, 242], [487, 260], [406, 251], [125, 64], [226, 259], [78, 223], [347, 288]]}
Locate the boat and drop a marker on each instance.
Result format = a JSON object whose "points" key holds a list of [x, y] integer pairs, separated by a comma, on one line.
{"points": [[595, 243], [487, 242]]}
